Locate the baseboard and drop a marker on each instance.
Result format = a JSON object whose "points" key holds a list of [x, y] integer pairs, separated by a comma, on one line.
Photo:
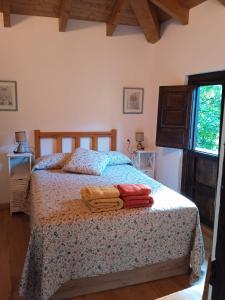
{"points": [[4, 206]]}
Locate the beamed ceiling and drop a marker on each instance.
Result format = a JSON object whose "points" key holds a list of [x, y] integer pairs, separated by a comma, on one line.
{"points": [[148, 14]]}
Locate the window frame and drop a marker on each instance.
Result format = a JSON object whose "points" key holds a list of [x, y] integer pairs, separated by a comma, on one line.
{"points": [[196, 107], [198, 80]]}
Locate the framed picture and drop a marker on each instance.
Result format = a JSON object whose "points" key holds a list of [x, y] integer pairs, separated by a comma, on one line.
{"points": [[8, 95], [133, 100]]}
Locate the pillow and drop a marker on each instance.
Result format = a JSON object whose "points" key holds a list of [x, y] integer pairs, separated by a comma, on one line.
{"points": [[118, 158], [52, 161], [87, 162]]}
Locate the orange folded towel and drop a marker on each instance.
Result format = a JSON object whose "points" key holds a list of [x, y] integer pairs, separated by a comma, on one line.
{"points": [[133, 189]]}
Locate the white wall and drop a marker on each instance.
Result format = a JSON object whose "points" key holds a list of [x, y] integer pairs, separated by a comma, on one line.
{"points": [[73, 81], [196, 48]]}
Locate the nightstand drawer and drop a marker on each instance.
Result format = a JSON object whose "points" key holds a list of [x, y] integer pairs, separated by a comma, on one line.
{"points": [[20, 165], [18, 184], [18, 188], [17, 201]]}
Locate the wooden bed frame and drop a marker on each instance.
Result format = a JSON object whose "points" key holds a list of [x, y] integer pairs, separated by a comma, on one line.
{"points": [[84, 286], [99, 283], [58, 136]]}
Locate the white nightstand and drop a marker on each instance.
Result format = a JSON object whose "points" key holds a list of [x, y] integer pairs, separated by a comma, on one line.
{"points": [[144, 160], [19, 174]]}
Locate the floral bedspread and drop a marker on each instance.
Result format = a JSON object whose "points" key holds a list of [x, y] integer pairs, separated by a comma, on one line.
{"points": [[68, 241]]}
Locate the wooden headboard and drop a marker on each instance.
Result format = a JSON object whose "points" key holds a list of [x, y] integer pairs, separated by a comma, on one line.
{"points": [[58, 136]]}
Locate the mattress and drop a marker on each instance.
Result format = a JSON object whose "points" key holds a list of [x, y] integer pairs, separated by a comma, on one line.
{"points": [[68, 241]]}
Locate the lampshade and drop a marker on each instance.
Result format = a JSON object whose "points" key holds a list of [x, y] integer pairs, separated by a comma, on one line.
{"points": [[139, 136], [20, 136]]}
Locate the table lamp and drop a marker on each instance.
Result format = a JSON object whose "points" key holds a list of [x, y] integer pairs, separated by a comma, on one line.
{"points": [[139, 137], [20, 139]]}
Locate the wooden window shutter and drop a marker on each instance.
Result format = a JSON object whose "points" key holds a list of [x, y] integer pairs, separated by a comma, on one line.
{"points": [[175, 116]]}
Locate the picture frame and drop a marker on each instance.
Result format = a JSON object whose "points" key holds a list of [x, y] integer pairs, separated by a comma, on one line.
{"points": [[8, 95], [133, 100]]}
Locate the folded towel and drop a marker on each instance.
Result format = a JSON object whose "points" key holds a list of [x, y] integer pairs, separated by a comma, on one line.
{"points": [[127, 205], [137, 202], [136, 198], [101, 205], [133, 189], [99, 192], [144, 202]]}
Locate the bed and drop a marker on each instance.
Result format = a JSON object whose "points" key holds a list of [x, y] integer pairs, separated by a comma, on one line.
{"points": [[74, 252]]}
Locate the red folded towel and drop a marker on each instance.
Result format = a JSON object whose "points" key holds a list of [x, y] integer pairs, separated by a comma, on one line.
{"points": [[133, 189], [136, 202], [144, 197], [127, 205]]}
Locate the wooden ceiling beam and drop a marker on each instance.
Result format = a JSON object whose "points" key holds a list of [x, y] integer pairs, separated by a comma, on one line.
{"points": [[222, 1], [147, 19], [115, 16], [64, 14], [6, 13], [174, 9]]}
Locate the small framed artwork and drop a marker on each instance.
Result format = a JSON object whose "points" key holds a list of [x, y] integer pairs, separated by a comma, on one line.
{"points": [[8, 95], [133, 100]]}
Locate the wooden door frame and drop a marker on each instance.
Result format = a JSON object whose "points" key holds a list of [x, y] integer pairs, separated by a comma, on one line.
{"points": [[188, 177], [187, 166], [218, 273]]}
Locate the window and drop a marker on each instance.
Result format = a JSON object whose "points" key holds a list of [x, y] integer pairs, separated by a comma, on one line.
{"points": [[207, 118], [189, 117]]}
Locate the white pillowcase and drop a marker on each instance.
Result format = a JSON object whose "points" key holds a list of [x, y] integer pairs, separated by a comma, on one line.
{"points": [[87, 162]]}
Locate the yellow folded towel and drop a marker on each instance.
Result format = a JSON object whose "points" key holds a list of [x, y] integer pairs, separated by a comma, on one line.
{"points": [[99, 192], [101, 205]]}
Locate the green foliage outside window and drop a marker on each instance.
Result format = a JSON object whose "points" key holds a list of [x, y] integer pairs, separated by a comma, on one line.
{"points": [[208, 118]]}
